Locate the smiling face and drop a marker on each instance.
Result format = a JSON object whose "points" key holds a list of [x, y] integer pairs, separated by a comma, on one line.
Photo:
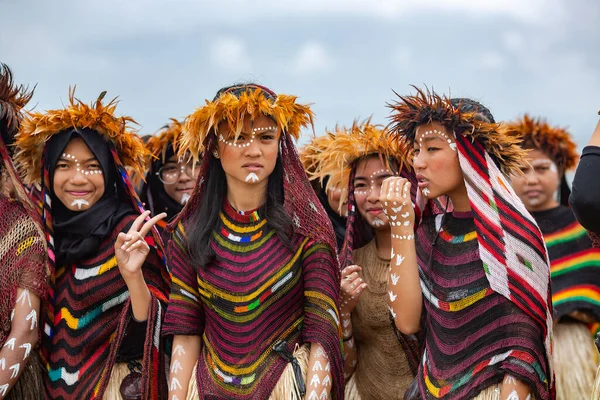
{"points": [[178, 179], [78, 180], [539, 183], [436, 162], [252, 157], [370, 174]]}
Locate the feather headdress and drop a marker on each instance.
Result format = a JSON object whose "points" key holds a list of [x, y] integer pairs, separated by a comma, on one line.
{"points": [[511, 245], [333, 155], [12, 100], [37, 128], [555, 141], [158, 144], [427, 106], [290, 116]]}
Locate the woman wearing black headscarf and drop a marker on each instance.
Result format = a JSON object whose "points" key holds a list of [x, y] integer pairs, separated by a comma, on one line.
{"points": [[109, 282]]}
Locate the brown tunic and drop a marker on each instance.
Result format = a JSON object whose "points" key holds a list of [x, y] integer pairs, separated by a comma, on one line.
{"points": [[382, 371]]}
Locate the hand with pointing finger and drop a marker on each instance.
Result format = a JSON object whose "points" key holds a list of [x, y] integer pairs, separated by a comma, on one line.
{"points": [[131, 248]]}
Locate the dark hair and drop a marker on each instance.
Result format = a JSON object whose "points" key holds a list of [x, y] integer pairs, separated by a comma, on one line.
{"points": [[465, 104], [202, 223]]}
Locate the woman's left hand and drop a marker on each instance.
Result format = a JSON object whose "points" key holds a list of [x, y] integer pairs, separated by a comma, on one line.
{"points": [[131, 248]]}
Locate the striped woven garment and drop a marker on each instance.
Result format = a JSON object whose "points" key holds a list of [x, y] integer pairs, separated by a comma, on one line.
{"points": [[88, 310], [511, 245], [256, 292], [574, 264]]}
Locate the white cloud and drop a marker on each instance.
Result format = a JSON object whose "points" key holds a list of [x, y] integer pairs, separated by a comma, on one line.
{"points": [[230, 53], [311, 58], [492, 60]]}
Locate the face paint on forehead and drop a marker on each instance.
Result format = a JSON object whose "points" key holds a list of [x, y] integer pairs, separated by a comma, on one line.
{"points": [[255, 131], [541, 162], [440, 133]]}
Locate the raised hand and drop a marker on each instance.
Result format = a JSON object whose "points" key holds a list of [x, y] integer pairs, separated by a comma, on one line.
{"points": [[131, 248], [397, 204], [352, 286]]}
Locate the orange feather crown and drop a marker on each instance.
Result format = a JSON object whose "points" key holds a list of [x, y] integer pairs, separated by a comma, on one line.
{"points": [[289, 116], [37, 128], [158, 144], [335, 153], [426, 106], [554, 141]]}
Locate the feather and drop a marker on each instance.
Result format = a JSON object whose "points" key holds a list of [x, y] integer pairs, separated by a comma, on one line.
{"points": [[426, 106], [332, 155], [555, 141], [37, 128], [290, 116]]}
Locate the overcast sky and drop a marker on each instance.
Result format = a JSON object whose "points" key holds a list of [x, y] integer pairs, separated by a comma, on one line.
{"points": [[164, 57]]}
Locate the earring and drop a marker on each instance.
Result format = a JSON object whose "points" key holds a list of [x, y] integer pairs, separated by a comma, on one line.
{"points": [[215, 153]]}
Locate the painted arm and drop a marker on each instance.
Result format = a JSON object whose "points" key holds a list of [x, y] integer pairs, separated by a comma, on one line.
{"points": [[352, 286], [183, 359], [404, 286], [21, 341], [318, 378]]}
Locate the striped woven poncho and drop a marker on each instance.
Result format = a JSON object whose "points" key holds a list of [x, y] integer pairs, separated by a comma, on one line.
{"points": [[574, 264], [88, 313], [254, 294]]}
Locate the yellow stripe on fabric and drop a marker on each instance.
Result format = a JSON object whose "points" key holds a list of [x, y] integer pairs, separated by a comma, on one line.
{"points": [[573, 232], [179, 282], [242, 229], [24, 245], [71, 321], [108, 265], [431, 388], [322, 297], [236, 371], [467, 301], [314, 248], [581, 292], [236, 248], [208, 290], [590, 257], [243, 318]]}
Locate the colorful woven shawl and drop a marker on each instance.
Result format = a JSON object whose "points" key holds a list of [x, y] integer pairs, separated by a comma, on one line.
{"points": [[85, 326], [88, 302], [300, 201], [511, 245]]}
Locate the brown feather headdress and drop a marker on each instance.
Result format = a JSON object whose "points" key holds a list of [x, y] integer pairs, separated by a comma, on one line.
{"points": [[158, 144], [337, 152], [12, 100], [290, 116], [37, 128], [536, 133], [426, 106]]}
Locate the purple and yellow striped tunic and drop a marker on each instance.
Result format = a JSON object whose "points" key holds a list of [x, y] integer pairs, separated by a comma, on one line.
{"points": [[255, 293]]}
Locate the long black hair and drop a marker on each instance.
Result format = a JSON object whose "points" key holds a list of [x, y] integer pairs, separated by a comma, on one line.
{"points": [[202, 224]]}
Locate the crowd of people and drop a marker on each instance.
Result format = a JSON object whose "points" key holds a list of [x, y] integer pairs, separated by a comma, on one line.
{"points": [[441, 256]]}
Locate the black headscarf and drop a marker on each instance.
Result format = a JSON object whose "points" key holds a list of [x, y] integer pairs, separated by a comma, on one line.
{"points": [[78, 234], [153, 192], [338, 222]]}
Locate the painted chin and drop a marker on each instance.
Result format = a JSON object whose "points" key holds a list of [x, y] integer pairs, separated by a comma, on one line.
{"points": [[80, 204], [378, 223], [252, 177]]}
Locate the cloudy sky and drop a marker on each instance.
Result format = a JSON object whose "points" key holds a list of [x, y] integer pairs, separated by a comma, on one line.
{"points": [[164, 57]]}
